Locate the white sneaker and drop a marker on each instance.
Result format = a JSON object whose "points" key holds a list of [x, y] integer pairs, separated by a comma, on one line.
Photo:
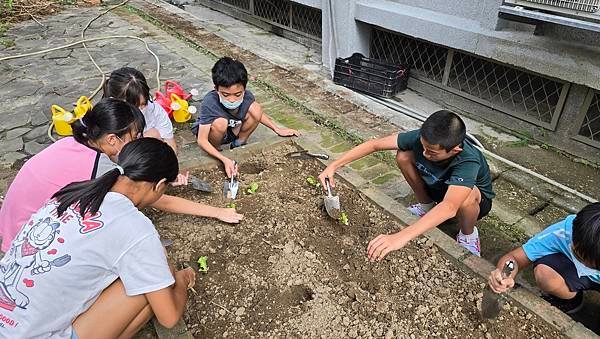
{"points": [[470, 242], [417, 210]]}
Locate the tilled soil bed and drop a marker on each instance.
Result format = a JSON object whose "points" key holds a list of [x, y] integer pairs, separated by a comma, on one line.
{"points": [[289, 271]]}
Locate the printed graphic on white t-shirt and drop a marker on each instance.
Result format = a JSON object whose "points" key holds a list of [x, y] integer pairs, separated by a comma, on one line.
{"points": [[58, 266]]}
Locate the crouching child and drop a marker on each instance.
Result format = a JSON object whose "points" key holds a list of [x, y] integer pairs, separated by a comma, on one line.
{"points": [[566, 260]]}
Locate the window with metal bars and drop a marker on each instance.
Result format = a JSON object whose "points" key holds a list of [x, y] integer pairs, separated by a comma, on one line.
{"points": [[423, 58], [527, 95], [590, 126], [294, 16], [530, 97]]}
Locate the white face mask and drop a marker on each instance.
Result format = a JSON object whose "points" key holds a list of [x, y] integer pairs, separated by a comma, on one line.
{"points": [[582, 270], [231, 105]]}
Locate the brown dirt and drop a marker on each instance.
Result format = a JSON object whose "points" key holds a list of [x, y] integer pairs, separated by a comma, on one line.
{"points": [[288, 270]]}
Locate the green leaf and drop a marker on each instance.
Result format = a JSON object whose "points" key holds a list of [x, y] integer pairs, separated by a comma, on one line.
{"points": [[312, 181], [253, 188], [202, 265], [231, 205], [344, 219]]}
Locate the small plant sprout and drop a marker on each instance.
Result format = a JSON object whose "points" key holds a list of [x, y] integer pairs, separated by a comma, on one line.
{"points": [[253, 188], [344, 219], [202, 265], [231, 205], [312, 181]]}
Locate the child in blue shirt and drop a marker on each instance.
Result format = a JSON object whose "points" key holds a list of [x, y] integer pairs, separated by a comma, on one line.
{"points": [[566, 259]]}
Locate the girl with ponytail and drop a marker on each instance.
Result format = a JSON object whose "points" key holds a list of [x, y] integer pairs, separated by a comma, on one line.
{"points": [[97, 139], [91, 257]]}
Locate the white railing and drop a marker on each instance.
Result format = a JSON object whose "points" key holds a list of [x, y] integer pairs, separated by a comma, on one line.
{"points": [[590, 6]]}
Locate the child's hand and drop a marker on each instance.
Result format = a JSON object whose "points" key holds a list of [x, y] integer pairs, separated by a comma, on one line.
{"points": [[385, 243], [329, 172], [186, 277], [229, 215], [499, 285], [288, 132], [230, 167], [182, 179]]}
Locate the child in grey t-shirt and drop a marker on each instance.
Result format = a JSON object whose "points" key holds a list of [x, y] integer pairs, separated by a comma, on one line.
{"points": [[230, 114]]}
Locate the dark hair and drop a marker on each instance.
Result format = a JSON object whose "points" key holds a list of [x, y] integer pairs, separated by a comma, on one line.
{"points": [[144, 159], [586, 235], [444, 128], [127, 84], [227, 72], [109, 116]]}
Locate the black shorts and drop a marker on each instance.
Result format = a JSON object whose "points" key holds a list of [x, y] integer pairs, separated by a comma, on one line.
{"points": [[485, 205], [565, 267], [229, 136]]}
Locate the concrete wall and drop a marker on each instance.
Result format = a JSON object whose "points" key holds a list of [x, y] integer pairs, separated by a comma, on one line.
{"points": [[561, 52], [309, 3]]}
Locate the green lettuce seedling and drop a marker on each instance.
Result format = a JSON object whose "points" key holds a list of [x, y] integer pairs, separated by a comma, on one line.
{"points": [[312, 181], [253, 188], [231, 205], [202, 265], [344, 219]]}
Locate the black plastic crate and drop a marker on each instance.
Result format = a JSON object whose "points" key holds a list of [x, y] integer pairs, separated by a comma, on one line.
{"points": [[371, 76]]}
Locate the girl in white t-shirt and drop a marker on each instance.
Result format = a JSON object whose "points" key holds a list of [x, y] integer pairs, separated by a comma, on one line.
{"points": [[89, 263], [130, 85]]}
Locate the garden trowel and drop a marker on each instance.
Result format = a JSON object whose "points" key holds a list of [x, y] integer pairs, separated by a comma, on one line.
{"points": [[332, 202], [492, 302], [230, 187]]}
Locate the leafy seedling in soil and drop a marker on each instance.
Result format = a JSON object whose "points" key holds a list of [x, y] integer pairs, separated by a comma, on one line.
{"points": [[344, 219], [231, 205], [202, 265], [253, 188], [313, 182]]}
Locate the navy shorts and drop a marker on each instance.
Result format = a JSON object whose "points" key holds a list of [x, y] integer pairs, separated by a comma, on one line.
{"points": [[565, 267], [229, 136]]}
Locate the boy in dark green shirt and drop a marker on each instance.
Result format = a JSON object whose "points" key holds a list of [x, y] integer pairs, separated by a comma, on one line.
{"points": [[448, 175]]}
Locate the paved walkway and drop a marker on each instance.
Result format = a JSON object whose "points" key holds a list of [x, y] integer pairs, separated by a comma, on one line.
{"points": [[291, 90]]}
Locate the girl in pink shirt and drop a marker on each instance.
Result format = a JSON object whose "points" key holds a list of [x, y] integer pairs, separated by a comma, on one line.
{"points": [[97, 139]]}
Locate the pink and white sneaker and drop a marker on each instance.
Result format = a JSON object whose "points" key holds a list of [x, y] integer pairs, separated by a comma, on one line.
{"points": [[470, 242], [417, 210]]}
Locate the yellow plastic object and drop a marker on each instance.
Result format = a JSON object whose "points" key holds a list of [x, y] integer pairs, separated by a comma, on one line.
{"points": [[83, 106], [182, 111], [62, 120]]}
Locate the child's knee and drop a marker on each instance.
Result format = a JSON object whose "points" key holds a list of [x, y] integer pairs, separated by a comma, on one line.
{"points": [[219, 125]]}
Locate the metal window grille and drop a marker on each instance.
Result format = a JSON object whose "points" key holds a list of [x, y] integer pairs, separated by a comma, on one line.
{"points": [[275, 11], [527, 96], [590, 6], [530, 96], [306, 19], [423, 58], [590, 126], [284, 13]]}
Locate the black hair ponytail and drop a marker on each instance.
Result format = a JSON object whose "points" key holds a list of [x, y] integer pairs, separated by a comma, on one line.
{"points": [[145, 159], [109, 116], [127, 84]]}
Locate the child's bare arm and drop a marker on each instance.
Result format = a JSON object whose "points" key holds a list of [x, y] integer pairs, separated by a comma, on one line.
{"points": [[168, 303], [265, 120]]}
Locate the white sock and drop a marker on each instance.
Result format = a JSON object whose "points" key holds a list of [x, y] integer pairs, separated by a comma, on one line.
{"points": [[469, 237], [427, 207]]}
